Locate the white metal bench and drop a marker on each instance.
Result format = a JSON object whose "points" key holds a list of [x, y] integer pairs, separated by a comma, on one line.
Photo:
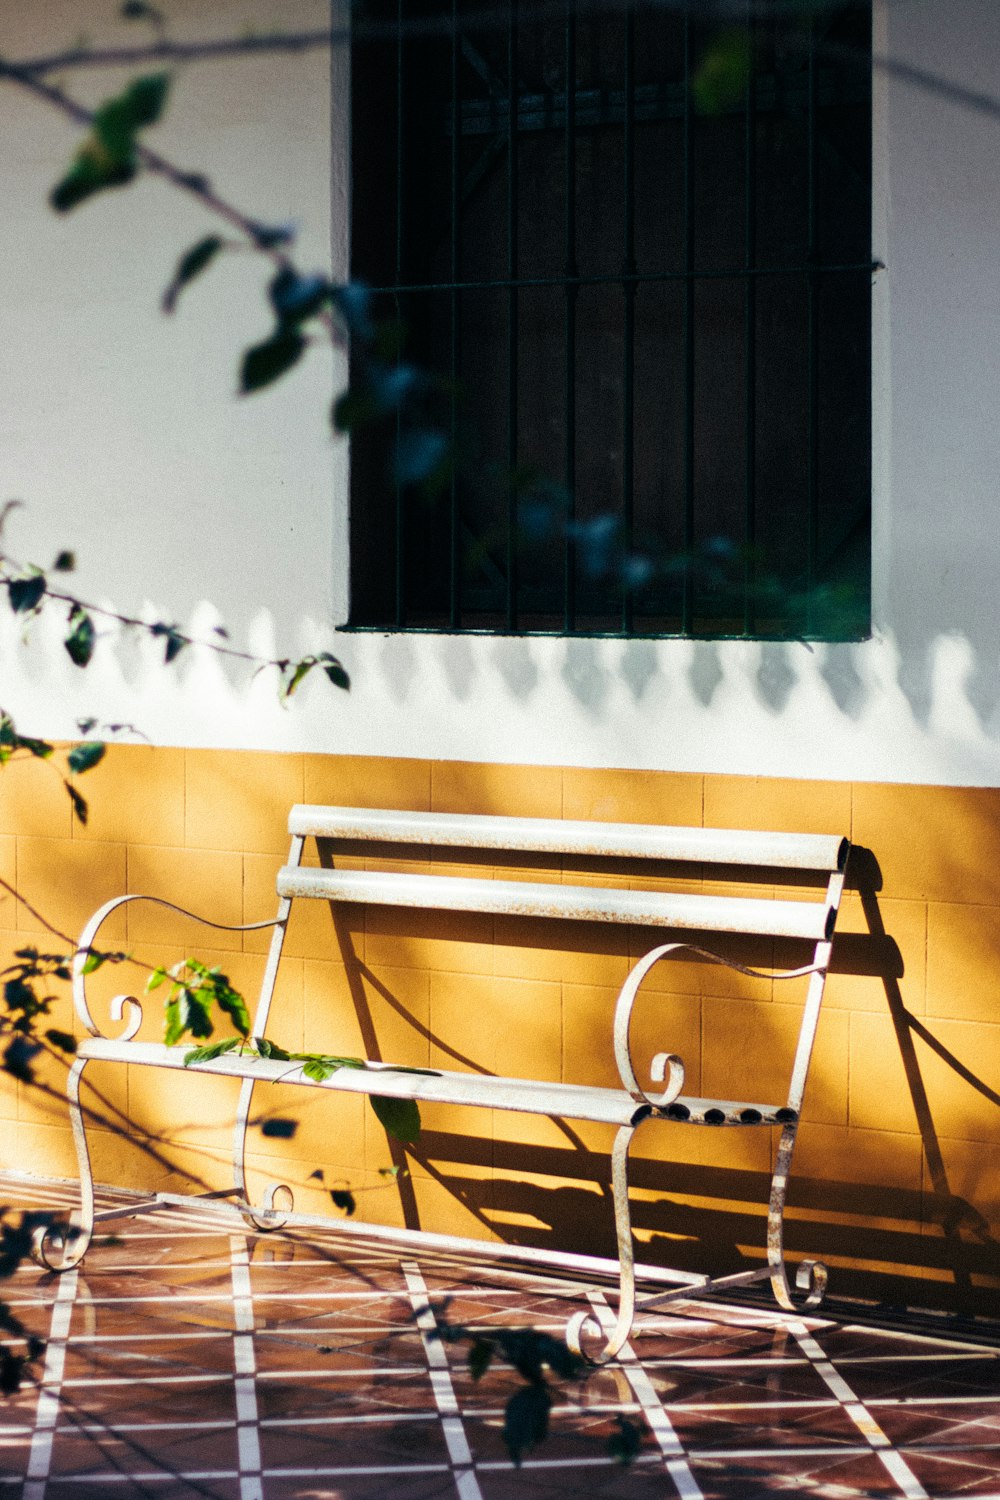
{"points": [[711, 855]]}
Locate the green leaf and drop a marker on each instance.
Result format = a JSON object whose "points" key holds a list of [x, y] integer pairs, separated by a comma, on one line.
{"points": [[175, 641], [95, 961], [480, 1358], [295, 297], [143, 100], [266, 1048], [175, 1019], [199, 1009], [400, 1117], [300, 670], [80, 641], [343, 1199], [40, 748], [334, 670], [61, 1039], [107, 156], [190, 265], [79, 803], [267, 362], [84, 757], [233, 1004], [526, 1420], [155, 979], [65, 562], [214, 1049], [318, 1069], [26, 593], [92, 170]]}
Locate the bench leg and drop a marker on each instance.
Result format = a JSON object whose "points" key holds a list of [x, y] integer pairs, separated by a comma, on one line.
{"points": [[266, 1217], [56, 1246], [583, 1322], [810, 1275]]}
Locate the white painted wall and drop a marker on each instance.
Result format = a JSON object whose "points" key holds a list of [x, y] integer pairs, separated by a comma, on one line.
{"points": [[120, 431]]}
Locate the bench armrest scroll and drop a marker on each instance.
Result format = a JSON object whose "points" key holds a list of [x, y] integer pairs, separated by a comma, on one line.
{"points": [[127, 1007]]}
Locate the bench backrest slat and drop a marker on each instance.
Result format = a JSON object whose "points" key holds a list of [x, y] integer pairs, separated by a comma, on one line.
{"points": [[801, 919], [789, 851]]}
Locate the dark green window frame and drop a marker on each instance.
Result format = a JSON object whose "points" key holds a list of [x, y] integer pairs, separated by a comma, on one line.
{"points": [[645, 302]]}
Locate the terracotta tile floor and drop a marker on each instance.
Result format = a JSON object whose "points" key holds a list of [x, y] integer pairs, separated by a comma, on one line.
{"points": [[188, 1358]]}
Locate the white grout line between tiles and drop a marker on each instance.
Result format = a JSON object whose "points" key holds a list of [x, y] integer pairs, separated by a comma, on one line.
{"points": [[50, 1384], [459, 1452]]}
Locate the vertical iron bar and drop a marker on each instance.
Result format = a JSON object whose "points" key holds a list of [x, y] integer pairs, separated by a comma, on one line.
{"points": [[571, 273], [750, 332], [512, 312], [454, 538], [812, 341], [687, 602], [400, 558], [628, 332]]}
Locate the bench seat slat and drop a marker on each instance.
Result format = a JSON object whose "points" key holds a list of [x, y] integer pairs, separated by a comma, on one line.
{"points": [[790, 851], [574, 1101], [683, 910]]}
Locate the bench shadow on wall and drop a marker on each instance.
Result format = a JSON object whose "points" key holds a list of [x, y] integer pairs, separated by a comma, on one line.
{"points": [[883, 1241]]}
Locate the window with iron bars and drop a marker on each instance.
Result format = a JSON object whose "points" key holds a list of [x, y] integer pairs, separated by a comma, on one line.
{"points": [[627, 253]]}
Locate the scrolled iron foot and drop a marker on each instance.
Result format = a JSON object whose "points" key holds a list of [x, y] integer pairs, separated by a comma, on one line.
{"points": [[267, 1217], [69, 1244], [811, 1277], [584, 1324]]}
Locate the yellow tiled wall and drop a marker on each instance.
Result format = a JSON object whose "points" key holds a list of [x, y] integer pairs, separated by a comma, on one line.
{"points": [[895, 1182]]}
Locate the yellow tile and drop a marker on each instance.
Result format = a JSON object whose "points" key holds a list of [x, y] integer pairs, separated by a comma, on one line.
{"points": [[448, 1133], [632, 796], [872, 1177], [881, 1097], [104, 1100], [208, 883], [694, 973], [187, 1109], [24, 1146], [552, 1212], [580, 952], [8, 1096], [327, 1127], [448, 942], [969, 1198], [963, 952], [777, 804], [241, 799], [135, 1162], [946, 1085], [33, 800], [382, 1015], [960, 1065], [932, 843], [260, 899], [67, 881], [864, 964], [660, 1023], [8, 902], [456, 1200], [748, 1050], [509, 1027], [135, 795], [368, 781], [695, 1163], [508, 791]]}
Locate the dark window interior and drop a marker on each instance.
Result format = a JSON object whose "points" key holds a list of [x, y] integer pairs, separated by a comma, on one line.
{"points": [[634, 251]]}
